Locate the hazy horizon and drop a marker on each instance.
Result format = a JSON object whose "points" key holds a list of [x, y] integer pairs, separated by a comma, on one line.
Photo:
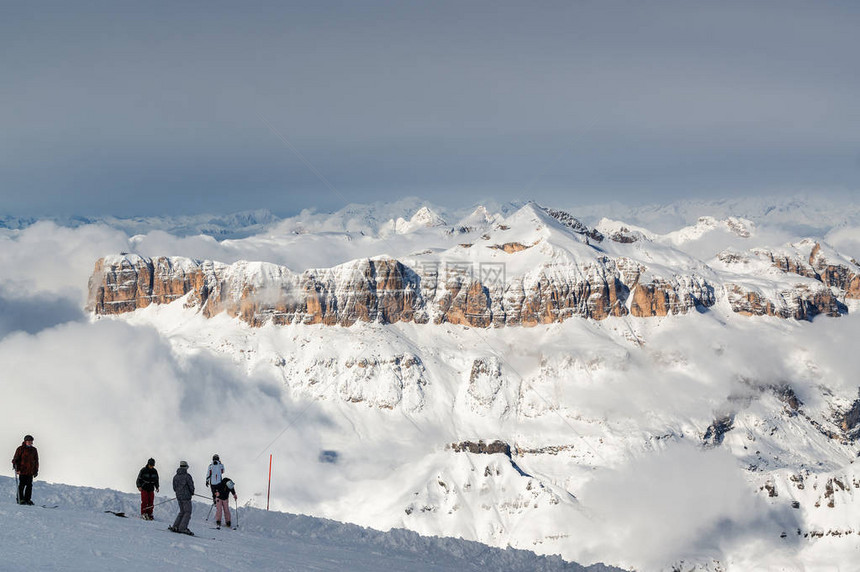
{"points": [[127, 110]]}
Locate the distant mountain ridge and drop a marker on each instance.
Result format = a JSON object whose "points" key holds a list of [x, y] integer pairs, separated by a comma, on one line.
{"points": [[536, 266], [804, 213], [229, 226]]}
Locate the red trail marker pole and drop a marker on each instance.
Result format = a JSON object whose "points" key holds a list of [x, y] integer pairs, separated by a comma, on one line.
{"points": [[269, 491]]}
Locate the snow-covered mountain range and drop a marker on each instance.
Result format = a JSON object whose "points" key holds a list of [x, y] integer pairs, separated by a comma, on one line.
{"points": [[536, 266], [521, 377]]}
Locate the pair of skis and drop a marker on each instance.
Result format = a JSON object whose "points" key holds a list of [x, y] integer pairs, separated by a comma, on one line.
{"points": [[192, 535], [34, 504]]}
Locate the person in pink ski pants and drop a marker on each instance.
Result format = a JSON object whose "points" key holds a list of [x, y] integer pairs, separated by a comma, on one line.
{"points": [[223, 490]]}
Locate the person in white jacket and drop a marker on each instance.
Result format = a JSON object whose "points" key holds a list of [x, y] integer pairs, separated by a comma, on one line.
{"points": [[214, 474]]}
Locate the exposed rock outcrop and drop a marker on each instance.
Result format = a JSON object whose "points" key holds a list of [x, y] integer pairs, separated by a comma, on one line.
{"points": [[716, 431], [486, 387], [789, 398], [387, 291], [850, 420], [624, 236], [818, 267], [660, 298], [129, 282], [368, 290], [800, 303], [575, 224], [511, 247], [835, 275], [482, 448]]}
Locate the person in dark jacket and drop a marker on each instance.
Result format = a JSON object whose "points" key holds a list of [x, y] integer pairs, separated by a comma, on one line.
{"points": [[183, 486], [147, 484], [26, 465], [223, 490]]}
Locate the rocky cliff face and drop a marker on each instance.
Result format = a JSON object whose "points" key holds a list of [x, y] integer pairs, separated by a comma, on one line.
{"points": [[818, 266], [800, 303], [368, 290], [126, 283], [387, 291], [563, 270], [829, 281]]}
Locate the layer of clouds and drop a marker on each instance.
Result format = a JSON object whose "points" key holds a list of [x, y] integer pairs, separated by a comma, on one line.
{"points": [[846, 240], [50, 259], [681, 504], [48, 267], [45, 272], [694, 369], [102, 397]]}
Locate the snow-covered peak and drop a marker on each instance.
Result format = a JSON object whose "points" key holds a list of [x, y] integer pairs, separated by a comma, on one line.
{"points": [[529, 226], [479, 219], [736, 226], [534, 217], [622, 232], [529, 214], [480, 214], [427, 217], [423, 218], [711, 235]]}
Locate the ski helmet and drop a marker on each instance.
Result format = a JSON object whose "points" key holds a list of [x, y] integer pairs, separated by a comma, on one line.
{"points": [[28, 438], [151, 462], [215, 457]]}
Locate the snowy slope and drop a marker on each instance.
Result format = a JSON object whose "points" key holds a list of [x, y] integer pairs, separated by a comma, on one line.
{"points": [[80, 535]]}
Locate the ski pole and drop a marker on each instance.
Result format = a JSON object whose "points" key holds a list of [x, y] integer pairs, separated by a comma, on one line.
{"points": [[17, 489], [158, 503], [236, 500], [210, 506]]}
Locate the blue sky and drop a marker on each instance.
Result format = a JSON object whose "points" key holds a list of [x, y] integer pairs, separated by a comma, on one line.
{"points": [[155, 108]]}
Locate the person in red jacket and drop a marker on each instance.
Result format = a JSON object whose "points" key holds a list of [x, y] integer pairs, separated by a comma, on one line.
{"points": [[26, 465]]}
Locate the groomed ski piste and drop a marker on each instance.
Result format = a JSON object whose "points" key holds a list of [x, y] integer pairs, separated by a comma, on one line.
{"points": [[79, 534]]}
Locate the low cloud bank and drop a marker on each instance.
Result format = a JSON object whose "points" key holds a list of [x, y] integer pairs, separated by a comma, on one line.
{"points": [[102, 397], [681, 503], [46, 258]]}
